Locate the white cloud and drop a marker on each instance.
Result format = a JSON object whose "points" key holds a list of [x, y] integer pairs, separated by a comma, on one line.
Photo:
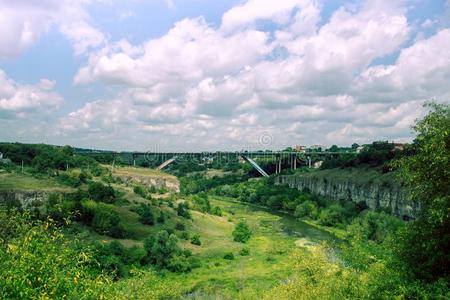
{"points": [[23, 22], [21, 101], [269, 69]]}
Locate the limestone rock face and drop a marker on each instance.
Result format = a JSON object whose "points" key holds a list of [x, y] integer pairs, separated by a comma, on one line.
{"points": [[168, 183], [23, 199], [376, 196]]}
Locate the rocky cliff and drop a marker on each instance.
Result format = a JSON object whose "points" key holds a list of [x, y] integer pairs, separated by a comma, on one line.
{"points": [[376, 194], [24, 199]]}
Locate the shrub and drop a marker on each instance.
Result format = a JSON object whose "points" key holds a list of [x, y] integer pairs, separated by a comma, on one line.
{"points": [[332, 216], [101, 193], [179, 264], [244, 251], [229, 256], [241, 232], [216, 210], [184, 235], [146, 215], [39, 260], [161, 218], [180, 226], [139, 191], [307, 209], [195, 239], [201, 202], [183, 210], [107, 221], [161, 248]]}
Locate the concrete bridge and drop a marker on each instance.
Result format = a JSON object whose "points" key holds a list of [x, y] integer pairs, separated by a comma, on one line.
{"points": [[163, 159]]}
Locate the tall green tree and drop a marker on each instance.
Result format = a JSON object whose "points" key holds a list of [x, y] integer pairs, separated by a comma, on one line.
{"points": [[425, 244]]}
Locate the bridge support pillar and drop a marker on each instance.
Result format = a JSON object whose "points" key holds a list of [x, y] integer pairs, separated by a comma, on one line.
{"points": [[295, 162]]}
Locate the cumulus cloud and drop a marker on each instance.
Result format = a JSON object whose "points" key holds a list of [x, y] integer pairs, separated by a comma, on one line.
{"points": [[22, 22], [225, 86], [21, 101], [281, 70]]}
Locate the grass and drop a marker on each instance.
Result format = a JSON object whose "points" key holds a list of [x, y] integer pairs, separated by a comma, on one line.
{"points": [[135, 171], [23, 182], [244, 277]]}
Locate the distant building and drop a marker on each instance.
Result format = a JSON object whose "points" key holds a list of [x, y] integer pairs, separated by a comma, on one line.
{"points": [[359, 149], [301, 149]]}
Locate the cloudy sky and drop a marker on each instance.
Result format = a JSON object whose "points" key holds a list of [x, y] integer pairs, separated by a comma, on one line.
{"points": [[186, 75]]}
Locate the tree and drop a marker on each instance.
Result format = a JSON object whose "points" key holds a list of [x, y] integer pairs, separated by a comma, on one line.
{"points": [[425, 243], [241, 232], [100, 192], [183, 210], [334, 148], [161, 249]]}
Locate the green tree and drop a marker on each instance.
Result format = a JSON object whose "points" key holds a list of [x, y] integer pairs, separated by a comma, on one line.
{"points": [[425, 242], [161, 249], [241, 232]]}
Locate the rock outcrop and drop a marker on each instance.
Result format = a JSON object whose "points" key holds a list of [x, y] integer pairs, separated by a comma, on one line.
{"points": [[23, 199], [375, 195], [157, 182]]}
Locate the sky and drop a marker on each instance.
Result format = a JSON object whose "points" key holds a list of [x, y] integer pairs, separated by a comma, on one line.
{"points": [[202, 75]]}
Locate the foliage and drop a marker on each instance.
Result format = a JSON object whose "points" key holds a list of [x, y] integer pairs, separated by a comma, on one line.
{"points": [[101, 193], [307, 209], [38, 262], [139, 190], [241, 232], [180, 226], [201, 202], [146, 215], [107, 221], [244, 251], [195, 239], [183, 210], [229, 256], [161, 248], [217, 211], [424, 244]]}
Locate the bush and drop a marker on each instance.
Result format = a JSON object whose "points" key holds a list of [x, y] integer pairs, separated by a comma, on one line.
{"points": [[195, 239], [184, 235], [183, 210], [179, 264], [216, 210], [241, 232], [161, 218], [180, 226], [139, 191], [39, 260], [229, 256], [101, 193], [107, 221], [332, 216], [201, 202], [161, 249], [307, 209], [146, 215], [244, 251]]}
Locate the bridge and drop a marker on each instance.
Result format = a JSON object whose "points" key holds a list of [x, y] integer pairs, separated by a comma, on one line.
{"points": [[163, 159]]}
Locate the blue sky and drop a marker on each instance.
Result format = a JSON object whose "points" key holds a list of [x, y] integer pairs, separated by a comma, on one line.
{"points": [[210, 75]]}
